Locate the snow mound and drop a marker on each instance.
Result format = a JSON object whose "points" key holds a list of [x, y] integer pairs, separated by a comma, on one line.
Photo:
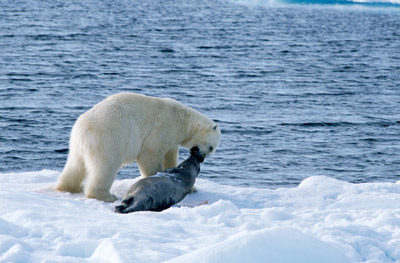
{"points": [[267, 245]]}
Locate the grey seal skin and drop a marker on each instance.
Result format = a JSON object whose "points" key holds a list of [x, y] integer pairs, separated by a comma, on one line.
{"points": [[161, 191]]}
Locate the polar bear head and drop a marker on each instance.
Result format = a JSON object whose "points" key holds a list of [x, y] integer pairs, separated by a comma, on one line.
{"points": [[206, 139]]}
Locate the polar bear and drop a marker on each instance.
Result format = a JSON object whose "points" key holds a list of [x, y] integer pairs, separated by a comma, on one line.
{"points": [[128, 127]]}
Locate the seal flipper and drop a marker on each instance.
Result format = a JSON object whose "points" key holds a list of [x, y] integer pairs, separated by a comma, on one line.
{"points": [[124, 205]]}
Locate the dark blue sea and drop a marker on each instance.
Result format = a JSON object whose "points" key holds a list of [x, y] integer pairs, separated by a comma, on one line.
{"points": [[300, 88]]}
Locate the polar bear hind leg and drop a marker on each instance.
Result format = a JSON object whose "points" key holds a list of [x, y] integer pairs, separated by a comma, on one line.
{"points": [[101, 175], [72, 176]]}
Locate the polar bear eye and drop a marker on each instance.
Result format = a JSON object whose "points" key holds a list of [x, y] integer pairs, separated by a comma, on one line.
{"points": [[211, 148]]}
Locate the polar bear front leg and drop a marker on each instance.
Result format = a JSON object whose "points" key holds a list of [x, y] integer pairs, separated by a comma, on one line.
{"points": [[150, 164], [171, 158]]}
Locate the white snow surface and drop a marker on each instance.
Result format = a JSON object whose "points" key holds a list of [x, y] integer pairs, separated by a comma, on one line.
{"points": [[321, 220]]}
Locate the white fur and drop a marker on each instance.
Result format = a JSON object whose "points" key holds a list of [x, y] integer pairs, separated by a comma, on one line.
{"points": [[128, 127]]}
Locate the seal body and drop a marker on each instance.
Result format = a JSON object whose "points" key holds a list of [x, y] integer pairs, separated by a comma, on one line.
{"points": [[161, 191]]}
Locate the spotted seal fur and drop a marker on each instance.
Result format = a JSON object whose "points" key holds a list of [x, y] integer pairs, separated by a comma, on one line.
{"points": [[161, 191]]}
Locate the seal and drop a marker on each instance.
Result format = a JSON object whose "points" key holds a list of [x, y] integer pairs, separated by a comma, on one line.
{"points": [[161, 191]]}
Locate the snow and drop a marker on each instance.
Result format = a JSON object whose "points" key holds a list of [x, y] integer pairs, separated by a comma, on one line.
{"points": [[321, 220]]}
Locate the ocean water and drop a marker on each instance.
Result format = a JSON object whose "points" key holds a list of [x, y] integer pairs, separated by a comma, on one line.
{"points": [[299, 88]]}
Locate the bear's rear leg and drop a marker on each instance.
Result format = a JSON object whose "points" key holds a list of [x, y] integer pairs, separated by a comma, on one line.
{"points": [[72, 176], [99, 182]]}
